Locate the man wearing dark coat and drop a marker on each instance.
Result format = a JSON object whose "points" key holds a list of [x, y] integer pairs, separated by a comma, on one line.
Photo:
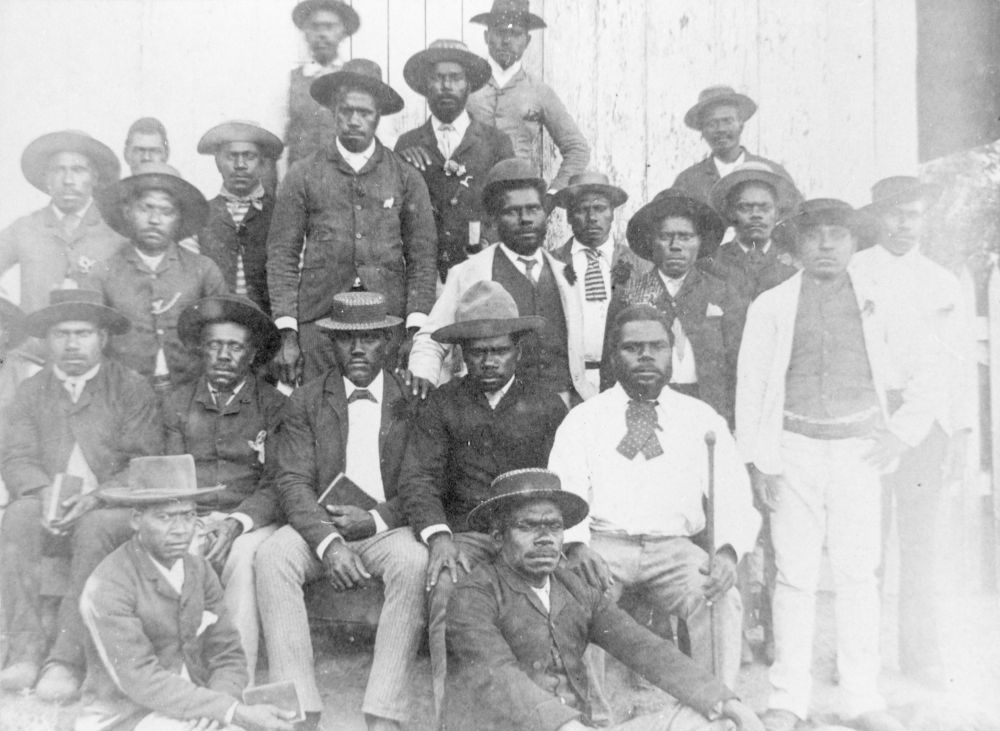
{"points": [[451, 150]]}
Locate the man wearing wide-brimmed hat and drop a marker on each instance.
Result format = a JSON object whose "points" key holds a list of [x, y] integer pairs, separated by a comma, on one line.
{"points": [[229, 419], [519, 625], [719, 115], [68, 237], [472, 429], [751, 199], [914, 285], [343, 439], [816, 422], [363, 215], [451, 150], [161, 645], [235, 234], [78, 420], [596, 264], [152, 279], [518, 104]]}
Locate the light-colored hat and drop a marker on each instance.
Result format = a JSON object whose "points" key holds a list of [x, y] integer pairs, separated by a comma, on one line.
{"points": [[154, 176], [359, 311], [531, 483], [788, 195], [590, 181], [230, 308], [358, 73], [65, 305], [35, 158], [154, 480], [348, 15], [237, 130], [506, 13], [477, 69], [715, 95], [486, 310], [898, 189]]}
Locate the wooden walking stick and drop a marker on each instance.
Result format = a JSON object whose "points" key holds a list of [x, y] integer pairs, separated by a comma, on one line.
{"points": [[710, 536]]}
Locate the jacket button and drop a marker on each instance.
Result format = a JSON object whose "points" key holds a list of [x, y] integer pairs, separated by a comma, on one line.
{"points": [[537, 665], [357, 207], [357, 236]]}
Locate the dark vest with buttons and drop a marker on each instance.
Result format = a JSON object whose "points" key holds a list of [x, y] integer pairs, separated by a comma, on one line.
{"points": [[544, 354]]}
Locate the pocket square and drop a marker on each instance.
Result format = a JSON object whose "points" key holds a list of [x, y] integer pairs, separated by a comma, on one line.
{"points": [[207, 620], [713, 311], [388, 202]]}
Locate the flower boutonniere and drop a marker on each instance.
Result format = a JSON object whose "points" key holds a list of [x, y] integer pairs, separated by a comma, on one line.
{"points": [[85, 264], [570, 273], [621, 272], [868, 309], [785, 258], [457, 169]]}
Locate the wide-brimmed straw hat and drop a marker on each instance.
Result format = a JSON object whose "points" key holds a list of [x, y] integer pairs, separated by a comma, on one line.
{"points": [[516, 486], [348, 15], [12, 320], [674, 202], [477, 69], [715, 95], [154, 176], [358, 73], [506, 13], [898, 189], [36, 156], [827, 212], [755, 172], [589, 181], [359, 311], [486, 310], [155, 480], [66, 305], [238, 130], [230, 308]]}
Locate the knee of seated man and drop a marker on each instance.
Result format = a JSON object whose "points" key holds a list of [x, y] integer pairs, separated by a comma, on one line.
{"points": [[22, 512]]}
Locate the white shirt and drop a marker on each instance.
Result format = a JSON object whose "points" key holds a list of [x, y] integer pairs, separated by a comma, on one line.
{"points": [[516, 258], [683, 366], [215, 393], [595, 314], [356, 160], [543, 593], [174, 575], [153, 262], [314, 68], [762, 249], [503, 76], [77, 464], [449, 140], [725, 168], [79, 214], [661, 496]]}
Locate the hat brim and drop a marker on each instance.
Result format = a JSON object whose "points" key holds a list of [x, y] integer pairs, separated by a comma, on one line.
{"points": [[865, 227], [194, 207], [226, 308], [459, 332], [35, 158], [788, 195], [565, 197], [38, 323], [126, 497], [270, 145], [573, 507], [477, 70], [325, 86], [385, 323], [745, 104], [12, 320], [710, 227], [348, 15], [530, 21], [929, 192]]}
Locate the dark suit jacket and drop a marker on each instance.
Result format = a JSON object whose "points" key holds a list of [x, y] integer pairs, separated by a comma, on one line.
{"points": [[312, 446], [459, 444], [456, 204], [142, 632], [501, 642], [116, 418], [748, 277], [715, 340], [625, 263], [697, 180]]}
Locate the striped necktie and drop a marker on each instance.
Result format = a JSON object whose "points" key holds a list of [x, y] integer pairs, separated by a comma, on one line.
{"points": [[593, 280]]}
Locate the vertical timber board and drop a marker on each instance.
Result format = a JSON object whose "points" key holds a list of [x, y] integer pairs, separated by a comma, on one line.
{"points": [[472, 33], [407, 35], [734, 44], [445, 20], [895, 87]]}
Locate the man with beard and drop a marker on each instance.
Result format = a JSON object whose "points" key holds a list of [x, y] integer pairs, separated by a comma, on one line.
{"points": [[451, 150], [553, 356], [719, 115]]}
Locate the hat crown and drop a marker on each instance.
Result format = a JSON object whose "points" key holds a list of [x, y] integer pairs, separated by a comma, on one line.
{"points": [[509, 7], [448, 44], [896, 186], [75, 297], [486, 300], [156, 168], [164, 474], [714, 92], [510, 170], [359, 308], [589, 177], [817, 206], [755, 166], [363, 67]]}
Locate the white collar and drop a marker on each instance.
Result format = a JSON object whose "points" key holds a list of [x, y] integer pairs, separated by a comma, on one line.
{"points": [[254, 195], [667, 281], [762, 249], [375, 388], [911, 257], [314, 68], [174, 575], [607, 249], [503, 76], [494, 397], [153, 262], [514, 256], [215, 392], [356, 160], [63, 376], [725, 168], [79, 214], [460, 123]]}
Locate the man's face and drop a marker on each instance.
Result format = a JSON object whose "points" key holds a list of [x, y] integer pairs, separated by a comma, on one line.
{"points": [[143, 147], [531, 543], [675, 246], [904, 224], [155, 219], [356, 116], [227, 353], [447, 89], [642, 358], [70, 180], [506, 44], [522, 221], [76, 346], [754, 214], [491, 362], [721, 128], [324, 30], [360, 354], [591, 217], [825, 250], [166, 530], [240, 165]]}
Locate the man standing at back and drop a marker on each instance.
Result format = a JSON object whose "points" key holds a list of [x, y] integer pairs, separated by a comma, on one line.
{"points": [[146, 141]]}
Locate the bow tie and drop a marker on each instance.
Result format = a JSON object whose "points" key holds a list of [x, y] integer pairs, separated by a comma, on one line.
{"points": [[361, 394], [640, 418], [255, 199]]}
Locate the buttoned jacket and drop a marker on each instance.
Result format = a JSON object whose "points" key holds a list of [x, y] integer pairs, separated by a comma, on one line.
{"points": [[731, 264], [699, 179], [222, 239]]}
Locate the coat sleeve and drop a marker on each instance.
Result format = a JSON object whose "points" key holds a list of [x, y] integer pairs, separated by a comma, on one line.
{"points": [[221, 647], [567, 137], [213, 281], [427, 354], [753, 369], [422, 475], [23, 470], [419, 241], [285, 240], [8, 248]]}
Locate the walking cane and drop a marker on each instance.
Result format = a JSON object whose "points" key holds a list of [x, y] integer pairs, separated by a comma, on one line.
{"points": [[710, 535]]}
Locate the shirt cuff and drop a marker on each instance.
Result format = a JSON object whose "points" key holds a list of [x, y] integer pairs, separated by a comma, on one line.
{"points": [[231, 713], [243, 519], [286, 323], [380, 525], [325, 543], [430, 530], [416, 319]]}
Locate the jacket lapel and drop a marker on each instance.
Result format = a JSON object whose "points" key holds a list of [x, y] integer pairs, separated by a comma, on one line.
{"points": [[516, 583], [333, 392], [429, 139], [469, 139], [390, 395]]}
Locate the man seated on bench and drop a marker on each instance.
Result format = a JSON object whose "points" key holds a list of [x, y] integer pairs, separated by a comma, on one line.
{"points": [[346, 430]]}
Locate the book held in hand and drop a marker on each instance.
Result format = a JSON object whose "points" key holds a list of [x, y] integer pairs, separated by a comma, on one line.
{"points": [[344, 491], [282, 695], [63, 487]]}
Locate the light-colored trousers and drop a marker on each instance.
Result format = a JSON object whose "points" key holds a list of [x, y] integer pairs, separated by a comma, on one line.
{"points": [[678, 717], [286, 562], [829, 495]]}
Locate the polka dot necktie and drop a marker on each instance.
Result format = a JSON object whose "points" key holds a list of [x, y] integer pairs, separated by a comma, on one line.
{"points": [[640, 418]]}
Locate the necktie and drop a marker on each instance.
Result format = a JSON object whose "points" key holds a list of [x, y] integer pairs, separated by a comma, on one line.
{"points": [[593, 280], [361, 394], [447, 131], [75, 387], [528, 266], [640, 418]]}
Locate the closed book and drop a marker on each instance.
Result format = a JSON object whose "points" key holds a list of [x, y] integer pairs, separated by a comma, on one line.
{"points": [[63, 487], [344, 491], [282, 695]]}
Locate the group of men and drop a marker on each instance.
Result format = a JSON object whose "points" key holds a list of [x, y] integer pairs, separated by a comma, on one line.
{"points": [[507, 438]]}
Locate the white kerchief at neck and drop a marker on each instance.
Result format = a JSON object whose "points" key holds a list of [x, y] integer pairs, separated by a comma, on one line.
{"points": [[503, 76], [356, 160]]}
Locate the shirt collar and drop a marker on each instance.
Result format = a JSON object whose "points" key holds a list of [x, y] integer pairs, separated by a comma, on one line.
{"points": [[679, 281], [724, 168], [255, 197], [461, 123], [150, 261], [375, 388], [665, 395], [232, 394], [607, 249], [174, 575], [514, 256], [314, 68], [356, 160], [503, 76], [63, 376], [495, 397], [762, 249], [81, 214]]}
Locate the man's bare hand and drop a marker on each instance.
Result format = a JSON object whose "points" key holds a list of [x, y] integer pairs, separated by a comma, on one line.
{"points": [[77, 506], [590, 565], [445, 555], [344, 567], [722, 577], [263, 717], [352, 522], [885, 450], [418, 156], [741, 714], [219, 541], [766, 490], [418, 386], [289, 358]]}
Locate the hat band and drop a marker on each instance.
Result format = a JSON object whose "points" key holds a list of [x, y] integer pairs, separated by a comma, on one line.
{"points": [[358, 314]]}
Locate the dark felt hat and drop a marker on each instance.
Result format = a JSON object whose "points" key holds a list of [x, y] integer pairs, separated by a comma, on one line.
{"points": [[66, 305], [12, 320], [898, 189], [505, 13], [477, 69], [511, 173], [358, 73], [348, 15], [674, 202], [715, 95], [230, 308], [238, 130], [827, 212], [759, 172], [156, 480], [154, 176], [359, 311], [590, 181], [516, 486], [486, 310], [35, 158]]}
